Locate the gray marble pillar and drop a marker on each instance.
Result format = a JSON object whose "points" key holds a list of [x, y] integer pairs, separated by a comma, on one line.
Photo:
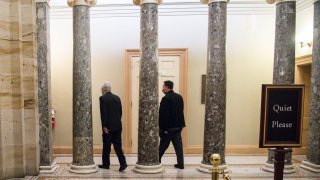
{"points": [[284, 61], [148, 139], [82, 102], [313, 152], [215, 105], [47, 165]]}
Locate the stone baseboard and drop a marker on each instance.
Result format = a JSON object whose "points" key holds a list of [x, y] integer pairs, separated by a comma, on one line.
{"points": [[48, 169], [148, 169], [288, 169], [310, 166], [83, 169]]}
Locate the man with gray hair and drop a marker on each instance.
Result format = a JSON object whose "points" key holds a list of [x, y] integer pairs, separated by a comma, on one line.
{"points": [[111, 112]]}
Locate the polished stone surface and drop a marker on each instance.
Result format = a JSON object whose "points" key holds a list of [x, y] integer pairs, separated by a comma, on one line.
{"points": [[43, 56], [28, 54], [313, 151], [284, 52], [148, 139], [19, 134], [215, 107], [241, 167], [82, 102]]}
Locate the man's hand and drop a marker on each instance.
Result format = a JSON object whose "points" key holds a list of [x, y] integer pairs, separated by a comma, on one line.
{"points": [[105, 130]]}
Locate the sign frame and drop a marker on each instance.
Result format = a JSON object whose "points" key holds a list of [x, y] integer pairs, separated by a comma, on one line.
{"points": [[263, 142]]}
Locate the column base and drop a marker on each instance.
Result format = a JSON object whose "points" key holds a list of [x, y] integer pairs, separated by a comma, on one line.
{"points": [[204, 168], [48, 169], [288, 169], [310, 166], [83, 169], [148, 169]]}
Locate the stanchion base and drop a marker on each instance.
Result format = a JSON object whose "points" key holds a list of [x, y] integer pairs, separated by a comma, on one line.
{"points": [[204, 168], [310, 166], [148, 169], [48, 169], [288, 169], [83, 169]]}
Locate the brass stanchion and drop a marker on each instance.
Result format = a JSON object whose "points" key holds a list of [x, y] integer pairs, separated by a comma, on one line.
{"points": [[215, 160]]}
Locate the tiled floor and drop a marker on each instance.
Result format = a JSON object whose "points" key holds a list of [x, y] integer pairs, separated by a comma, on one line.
{"points": [[241, 168]]}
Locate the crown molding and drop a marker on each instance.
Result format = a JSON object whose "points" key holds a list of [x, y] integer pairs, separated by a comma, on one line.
{"points": [[90, 3], [43, 1], [279, 1], [213, 1], [139, 2], [171, 8]]}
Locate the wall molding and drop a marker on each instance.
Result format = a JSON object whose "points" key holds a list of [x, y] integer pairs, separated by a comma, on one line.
{"points": [[303, 60], [126, 10], [97, 149], [193, 149], [231, 150]]}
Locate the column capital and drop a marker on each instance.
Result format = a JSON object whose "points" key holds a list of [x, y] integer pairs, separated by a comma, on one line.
{"points": [[212, 1], [42, 1], [72, 3], [139, 2], [279, 1]]}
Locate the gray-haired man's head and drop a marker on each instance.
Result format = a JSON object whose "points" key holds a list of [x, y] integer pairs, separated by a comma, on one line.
{"points": [[106, 87]]}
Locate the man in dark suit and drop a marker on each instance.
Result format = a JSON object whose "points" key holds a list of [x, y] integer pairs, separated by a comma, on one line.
{"points": [[111, 112], [171, 122]]}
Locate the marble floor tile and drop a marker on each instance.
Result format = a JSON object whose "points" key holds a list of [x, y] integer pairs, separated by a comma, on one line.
{"points": [[241, 168]]}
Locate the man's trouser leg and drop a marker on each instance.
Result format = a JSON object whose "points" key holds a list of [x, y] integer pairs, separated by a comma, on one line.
{"points": [[177, 144]]}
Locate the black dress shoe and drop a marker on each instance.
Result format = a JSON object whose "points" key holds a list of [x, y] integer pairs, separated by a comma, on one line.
{"points": [[123, 167], [104, 166], [179, 166]]}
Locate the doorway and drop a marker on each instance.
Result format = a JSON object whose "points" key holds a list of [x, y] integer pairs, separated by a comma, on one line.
{"points": [[172, 64], [303, 76]]}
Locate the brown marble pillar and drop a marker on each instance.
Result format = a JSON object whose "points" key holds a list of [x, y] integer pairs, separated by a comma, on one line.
{"points": [[284, 61], [215, 106], [148, 139], [82, 95], [312, 163]]}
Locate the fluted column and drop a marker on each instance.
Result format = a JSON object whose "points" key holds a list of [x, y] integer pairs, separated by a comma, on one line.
{"points": [[47, 165], [148, 139], [284, 60], [82, 102], [215, 105], [313, 152]]}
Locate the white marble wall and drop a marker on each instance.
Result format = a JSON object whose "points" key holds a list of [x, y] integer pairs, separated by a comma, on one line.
{"points": [[18, 90]]}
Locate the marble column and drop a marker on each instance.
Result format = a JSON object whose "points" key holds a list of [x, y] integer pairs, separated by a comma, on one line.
{"points": [[313, 152], [82, 98], [284, 61], [47, 165], [148, 139], [215, 105]]}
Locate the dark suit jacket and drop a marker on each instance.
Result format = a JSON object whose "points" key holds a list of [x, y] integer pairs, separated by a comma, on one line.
{"points": [[111, 112], [171, 111]]}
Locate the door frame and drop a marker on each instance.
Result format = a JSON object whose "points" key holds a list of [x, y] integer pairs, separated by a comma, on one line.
{"points": [[129, 53], [299, 63]]}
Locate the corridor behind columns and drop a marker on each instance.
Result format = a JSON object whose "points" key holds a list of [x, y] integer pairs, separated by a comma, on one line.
{"points": [[47, 60]]}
